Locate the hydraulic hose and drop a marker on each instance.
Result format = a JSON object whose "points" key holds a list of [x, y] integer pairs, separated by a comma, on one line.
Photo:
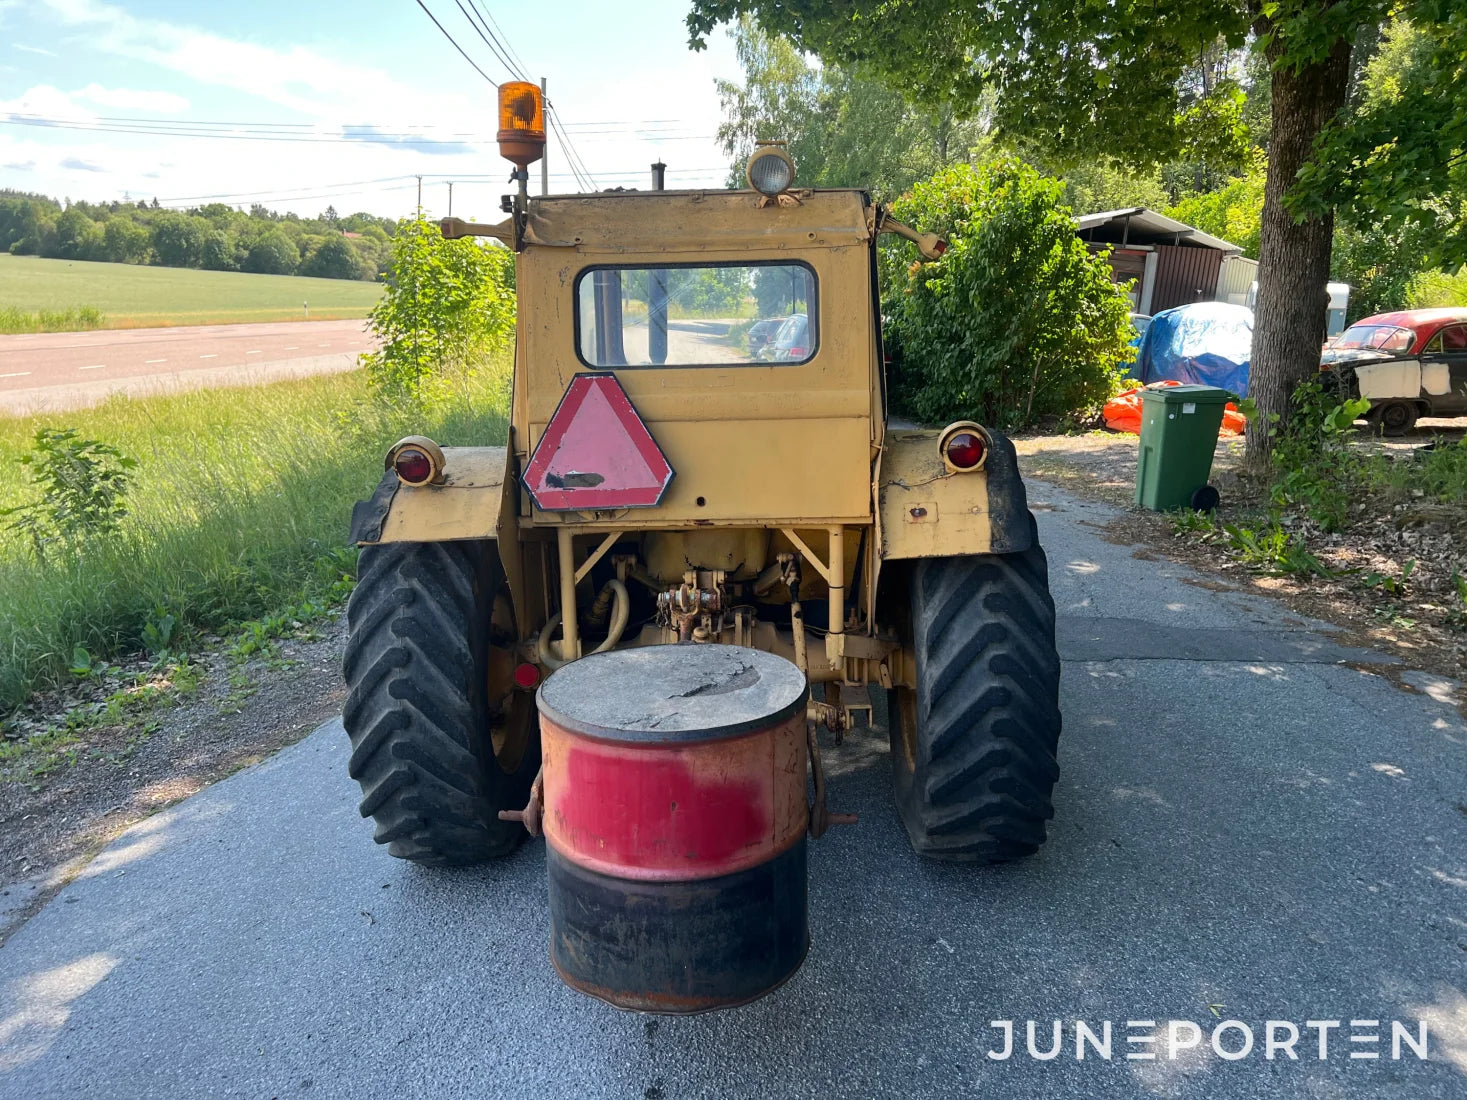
{"points": [[621, 613]]}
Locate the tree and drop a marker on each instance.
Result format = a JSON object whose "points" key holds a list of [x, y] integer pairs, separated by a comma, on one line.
{"points": [[1109, 79], [78, 237], [840, 131], [1017, 320], [218, 252], [1398, 164], [334, 259], [124, 241], [178, 240], [1233, 212], [448, 307], [272, 254]]}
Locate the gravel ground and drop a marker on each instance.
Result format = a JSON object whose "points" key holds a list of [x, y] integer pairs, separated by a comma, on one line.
{"points": [[122, 773]]}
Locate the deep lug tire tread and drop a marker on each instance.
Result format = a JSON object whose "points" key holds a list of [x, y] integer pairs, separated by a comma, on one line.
{"points": [[416, 708], [987, 703]]}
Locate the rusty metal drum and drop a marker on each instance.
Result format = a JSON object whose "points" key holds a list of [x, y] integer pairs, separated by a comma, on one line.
{"points": [[675, 823]]}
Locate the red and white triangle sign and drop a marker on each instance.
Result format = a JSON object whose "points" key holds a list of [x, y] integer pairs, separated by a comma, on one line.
{"points": [[596, 453]]}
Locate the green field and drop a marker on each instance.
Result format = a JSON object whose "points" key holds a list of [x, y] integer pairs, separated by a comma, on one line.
{"points": [[142, 297]]}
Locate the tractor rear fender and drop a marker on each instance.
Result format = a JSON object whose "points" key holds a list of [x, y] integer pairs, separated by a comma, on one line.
{"points": [[476, 498], [926, 510], [465, 503]]}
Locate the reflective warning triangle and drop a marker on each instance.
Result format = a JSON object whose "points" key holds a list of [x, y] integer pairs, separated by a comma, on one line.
{"points": [[596, 453]]}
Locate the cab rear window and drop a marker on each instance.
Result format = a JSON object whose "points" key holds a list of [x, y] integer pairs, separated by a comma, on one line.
{"points": [[716, 315]]}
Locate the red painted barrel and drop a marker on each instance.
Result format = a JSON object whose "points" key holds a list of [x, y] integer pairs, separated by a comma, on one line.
{"points": [[675, 824]]}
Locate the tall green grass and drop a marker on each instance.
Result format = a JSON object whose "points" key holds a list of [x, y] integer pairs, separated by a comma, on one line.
{"points": [[75, 319], [239, 506]]}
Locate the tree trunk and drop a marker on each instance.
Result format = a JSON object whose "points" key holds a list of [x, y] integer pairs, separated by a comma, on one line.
{"points": [[1293, 256]]}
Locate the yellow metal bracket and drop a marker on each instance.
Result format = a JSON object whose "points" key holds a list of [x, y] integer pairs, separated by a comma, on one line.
{"points": [[596, 555]]}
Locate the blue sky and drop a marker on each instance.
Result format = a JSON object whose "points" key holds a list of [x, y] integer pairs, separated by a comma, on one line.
{"points": [[621, 77]]}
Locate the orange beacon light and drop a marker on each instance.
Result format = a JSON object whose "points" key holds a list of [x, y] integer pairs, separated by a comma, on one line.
{"points": [[521, 122]]}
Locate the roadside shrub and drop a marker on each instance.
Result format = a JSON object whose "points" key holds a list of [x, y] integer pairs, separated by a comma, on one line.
{"points": [[449, 307], [1017, 320], [83, 486]]}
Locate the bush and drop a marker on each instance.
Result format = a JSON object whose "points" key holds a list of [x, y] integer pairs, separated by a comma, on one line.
{"points": [[1017, 320], [449, 306], [1435, 289]]}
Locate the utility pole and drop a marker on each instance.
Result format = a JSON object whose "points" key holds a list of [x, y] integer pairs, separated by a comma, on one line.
{"points": [[420, 196], [544, 156], [450, 198]]}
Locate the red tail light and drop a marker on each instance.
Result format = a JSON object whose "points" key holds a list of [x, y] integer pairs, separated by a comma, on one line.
{"points": [[796, 353], [414, 467], [965, 450], [963, 446], [526, 676]]}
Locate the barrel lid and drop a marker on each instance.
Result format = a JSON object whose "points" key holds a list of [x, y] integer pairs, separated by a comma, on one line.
{"points": [[673, 693]]}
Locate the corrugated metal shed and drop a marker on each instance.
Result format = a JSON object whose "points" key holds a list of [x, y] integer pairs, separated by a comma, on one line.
{"points": [[1184, 275], [1138, 225]]}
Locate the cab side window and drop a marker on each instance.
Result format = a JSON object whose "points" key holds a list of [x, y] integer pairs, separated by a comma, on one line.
{"points": [[1453, 338]]}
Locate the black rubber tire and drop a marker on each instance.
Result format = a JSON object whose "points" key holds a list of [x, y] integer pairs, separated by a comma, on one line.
{"points": [[1205, 498], [978, 782], [417, 708], [1395, 418]]}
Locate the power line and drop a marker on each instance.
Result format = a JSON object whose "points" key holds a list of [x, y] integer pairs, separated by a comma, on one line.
{"points": [[371, 137], [614, 124], [456, 46], [502, 37], [367, 133], [488, 38], [583, 178]]}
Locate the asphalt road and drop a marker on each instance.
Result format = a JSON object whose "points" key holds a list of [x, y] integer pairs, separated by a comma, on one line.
{"points": [[1246, 829], [58, 370]]}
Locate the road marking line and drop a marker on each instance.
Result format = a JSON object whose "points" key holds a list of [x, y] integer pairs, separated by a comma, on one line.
{"points": [[155, 360], [211, 355], [294, 347], [95, 366], [325, 345], [254, 352], [16, 374]]}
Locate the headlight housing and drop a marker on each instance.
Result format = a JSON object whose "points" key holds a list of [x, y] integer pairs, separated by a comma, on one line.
{"points": [[770, 170]]}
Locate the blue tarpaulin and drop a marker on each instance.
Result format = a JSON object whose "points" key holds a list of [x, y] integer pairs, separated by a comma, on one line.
{"points": [[1207, 343]]}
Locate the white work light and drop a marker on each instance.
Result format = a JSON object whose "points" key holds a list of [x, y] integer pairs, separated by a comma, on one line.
{"points": [[770, 170]]}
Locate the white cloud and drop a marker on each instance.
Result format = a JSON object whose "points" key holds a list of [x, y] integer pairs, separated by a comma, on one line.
{"points": [[47, 102], [127, 99], [32, 49], [297, 78]]}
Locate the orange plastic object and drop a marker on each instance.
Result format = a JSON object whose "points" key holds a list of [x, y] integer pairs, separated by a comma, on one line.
{"points": [[1123, 413], [521, 122]]}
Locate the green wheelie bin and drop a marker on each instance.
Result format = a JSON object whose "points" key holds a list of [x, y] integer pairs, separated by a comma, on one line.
{"points": [[1179, 426]]}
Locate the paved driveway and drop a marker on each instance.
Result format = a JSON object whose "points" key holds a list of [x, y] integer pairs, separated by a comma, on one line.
{"points": [[1246, 829]]}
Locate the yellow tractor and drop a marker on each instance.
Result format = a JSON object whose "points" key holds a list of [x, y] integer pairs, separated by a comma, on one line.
{"points": [[700, 452]]}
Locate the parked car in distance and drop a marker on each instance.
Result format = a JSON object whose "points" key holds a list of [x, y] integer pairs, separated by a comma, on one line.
{"points": [[792, 343], [1407, 364], [761, 332]]}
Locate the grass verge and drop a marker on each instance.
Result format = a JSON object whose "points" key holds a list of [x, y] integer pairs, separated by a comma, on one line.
{"points": [[76, 319], [238, 511]]}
